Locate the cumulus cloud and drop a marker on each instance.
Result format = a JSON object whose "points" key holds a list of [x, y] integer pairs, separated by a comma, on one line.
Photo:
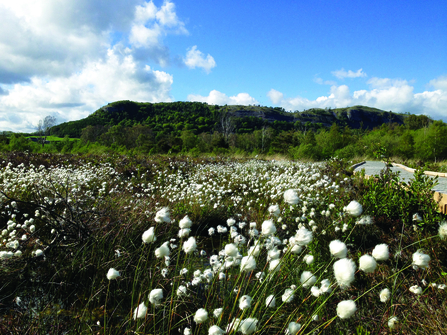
{"points": [[275, 96], [217, 98], [385, 93], [196, 58], [117, 77], [341, 74]]}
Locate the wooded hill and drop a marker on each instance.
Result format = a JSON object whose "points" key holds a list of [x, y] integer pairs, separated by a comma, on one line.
{"points": [[198, 117]]}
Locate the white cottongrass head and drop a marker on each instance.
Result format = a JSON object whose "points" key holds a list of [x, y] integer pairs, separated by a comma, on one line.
{"points": [[420, 259], [163, 250], [149, 235], [354, 208], [231, 222], [392, 321], [309, 259], [201, 315], [344, 271], [416, 289], [37, 253], [217, 312], [288, 295], [140, 311], [385, 295], [346, 309], [270, 302], [307, 279], [303, 236], [182, 291], [274, 265], [338, 249], [155, 296], [245, 302], [291, 197], [367, 263], [268, 228], [248, 263], [381, 252], [231, 250], [442, 231], [215, 330], [163, 215], [248, 326], [293, 328], [190, 245], [185, 222], [274, 210], [112, 274]]}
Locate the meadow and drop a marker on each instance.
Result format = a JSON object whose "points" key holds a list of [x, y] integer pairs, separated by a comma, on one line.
{"points": [[211, 245]]}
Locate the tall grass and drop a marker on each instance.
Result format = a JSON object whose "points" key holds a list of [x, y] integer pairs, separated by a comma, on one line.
{"points": [[90, 217]]}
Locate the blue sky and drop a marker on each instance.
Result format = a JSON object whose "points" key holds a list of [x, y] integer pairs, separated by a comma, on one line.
{"points": [[69, 58]]}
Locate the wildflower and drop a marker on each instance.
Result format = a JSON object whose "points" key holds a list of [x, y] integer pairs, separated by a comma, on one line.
{"points": [[248, 263], [420, 259], [270, 302], [163, 215], [187, 331], [385, 295], [367, 264], [338, 249], [303, 236], [392, 322], [155, 296], [112, 274], [32, 229], [233, 326], [346, 309], [291, 197], [221, 229], [185, 222], [380, 252], [293, 328], [140, 311], [162, 251], [268, 228], [215, 330], [149, 235], [211, 231], [201, 315], [217, 312], [416, 289], [307, 279], [273, 254], [354, 208], [222, 276], [248, 326], [274, 210], [245, 302], [365, 220], [190, 245], [442, 231], [344, 270], [288, 295], [183, 271]]}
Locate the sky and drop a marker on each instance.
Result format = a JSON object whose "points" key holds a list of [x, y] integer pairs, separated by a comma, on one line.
{"points": [[69, 58]]}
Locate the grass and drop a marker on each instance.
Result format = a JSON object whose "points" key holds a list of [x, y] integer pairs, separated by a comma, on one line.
{"points": [[89, 215]]}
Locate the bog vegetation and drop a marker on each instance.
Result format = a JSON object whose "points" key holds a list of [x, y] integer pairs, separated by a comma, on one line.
{"points": [[182, 245]]}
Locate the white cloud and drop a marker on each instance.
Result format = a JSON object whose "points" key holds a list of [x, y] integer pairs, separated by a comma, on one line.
{"points": [[195, 58], [384, 93], [118, 77], [275, 96], [217, 98], [320, 81], [341, 74]]}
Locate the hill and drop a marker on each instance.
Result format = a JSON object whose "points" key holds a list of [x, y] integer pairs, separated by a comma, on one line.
{"points": [[201, 117]]}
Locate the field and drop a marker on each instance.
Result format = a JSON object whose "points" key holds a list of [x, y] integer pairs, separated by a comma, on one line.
{"points": [[120, 245]]}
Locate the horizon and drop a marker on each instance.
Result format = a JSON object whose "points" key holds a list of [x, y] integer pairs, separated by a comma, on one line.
{"points": [[68, 60]]}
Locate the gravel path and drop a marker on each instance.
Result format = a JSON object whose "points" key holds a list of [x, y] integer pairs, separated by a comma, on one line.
{"points": [[373, 168]]}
